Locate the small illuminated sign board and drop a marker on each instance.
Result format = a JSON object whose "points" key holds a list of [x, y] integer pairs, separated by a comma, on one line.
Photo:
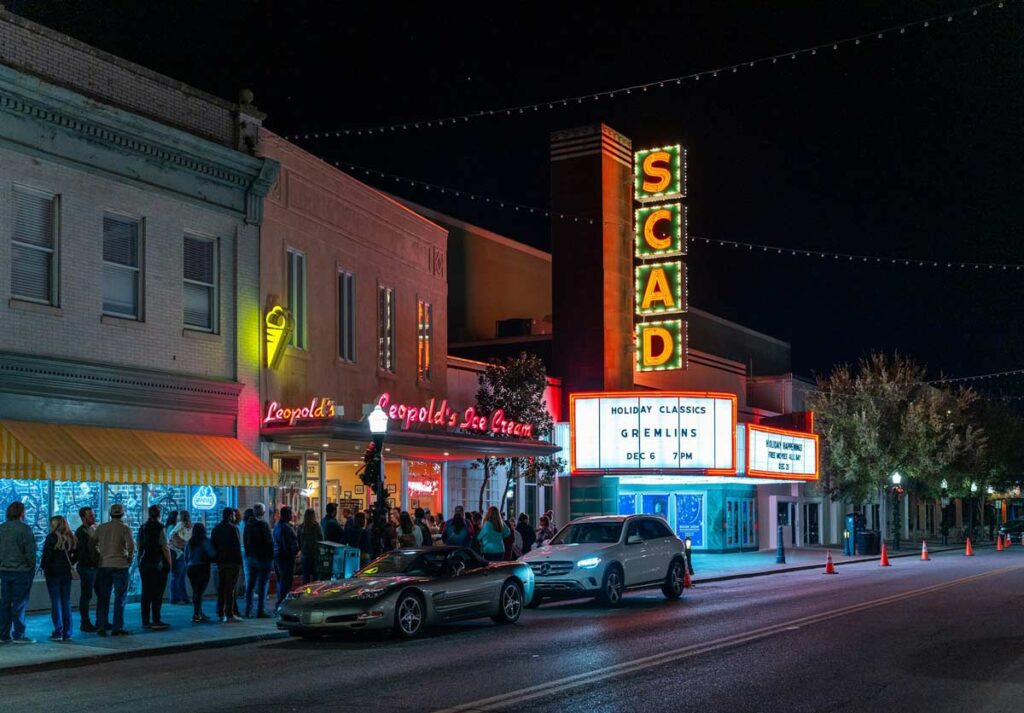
{"points": [[318, 409], [660, 242], [660, 432], [204, 498], [780, 453], [279, 327]]}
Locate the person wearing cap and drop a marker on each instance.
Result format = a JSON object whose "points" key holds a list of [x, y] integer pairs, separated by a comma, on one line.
{"points": [[116, 550]]}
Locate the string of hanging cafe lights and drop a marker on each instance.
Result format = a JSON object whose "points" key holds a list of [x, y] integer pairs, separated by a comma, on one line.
{"points": [[668, 82], [524, 209]]}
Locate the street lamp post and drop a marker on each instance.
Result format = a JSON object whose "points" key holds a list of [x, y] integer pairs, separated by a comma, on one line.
{"points": [[944, 501], [378, 421], [896, 490], [974, 490]]}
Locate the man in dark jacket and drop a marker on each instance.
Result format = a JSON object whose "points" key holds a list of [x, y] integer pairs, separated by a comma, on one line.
{"points": [[88, 563], [333, 531], [228, 544], [259, 557], [286, 547], [526, 532], [421, 522], [154, 566]]}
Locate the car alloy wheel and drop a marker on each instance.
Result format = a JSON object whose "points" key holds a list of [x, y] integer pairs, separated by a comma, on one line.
{"points": [[673, 586], [511, 602], [409, 615], [611, 588]]}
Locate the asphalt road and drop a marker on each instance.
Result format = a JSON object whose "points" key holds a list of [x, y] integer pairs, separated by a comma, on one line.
{"points": [[945, 635]]}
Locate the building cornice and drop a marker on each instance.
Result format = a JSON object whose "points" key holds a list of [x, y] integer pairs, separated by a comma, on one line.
{"points": [[48, 121]]}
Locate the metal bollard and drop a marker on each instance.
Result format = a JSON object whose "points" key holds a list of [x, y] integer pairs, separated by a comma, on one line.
{"points": [[780, 551]]}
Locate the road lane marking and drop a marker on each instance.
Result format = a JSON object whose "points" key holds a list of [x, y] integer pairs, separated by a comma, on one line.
{"points": [[549, 688]]}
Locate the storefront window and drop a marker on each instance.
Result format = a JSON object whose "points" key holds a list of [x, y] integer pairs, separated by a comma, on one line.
{"points": [[130, 496], [627, 504], [655, 505], [205, 503], [70, 496], [35, 494], [168, 497], [424, 486]]}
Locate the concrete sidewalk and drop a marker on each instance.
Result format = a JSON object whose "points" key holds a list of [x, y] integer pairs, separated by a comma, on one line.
{"points": [[91, 648], [739, 565]]}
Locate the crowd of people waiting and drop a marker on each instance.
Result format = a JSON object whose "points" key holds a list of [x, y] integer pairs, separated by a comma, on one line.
{"points": [[245, 547]]}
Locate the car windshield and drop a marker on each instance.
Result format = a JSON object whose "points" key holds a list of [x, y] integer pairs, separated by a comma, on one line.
{"points": [[391, 563], [588, 532]]}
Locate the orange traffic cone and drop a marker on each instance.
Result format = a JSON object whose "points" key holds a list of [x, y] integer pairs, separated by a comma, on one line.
{"points": [[829, 567], [999, 544], [885, 557], [687, 583], [968, 550], [1009, 541], [924, 551]]}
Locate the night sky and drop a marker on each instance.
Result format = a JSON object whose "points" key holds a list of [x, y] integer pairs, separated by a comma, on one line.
{"points": [[908, 146]]}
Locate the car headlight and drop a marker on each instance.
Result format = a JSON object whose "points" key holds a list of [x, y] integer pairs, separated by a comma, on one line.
{"points": [[371, 593], [589, 563]]}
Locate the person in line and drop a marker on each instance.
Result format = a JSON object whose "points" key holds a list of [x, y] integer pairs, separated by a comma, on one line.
{"points": [[60, 551], [409, 535], [550, 515], [332, 529], [259, 556], [199, 555], [526, 532], [286, 547], [178, 536], [243, 579], [346, 523], [426, 536], [228, 546], [492, 536], [545, 532], [154, 566], [461, 512], [360, 537], [116, 549], [456, 532], [309, 539], [513, 542], [88, 564], [17, 567]]}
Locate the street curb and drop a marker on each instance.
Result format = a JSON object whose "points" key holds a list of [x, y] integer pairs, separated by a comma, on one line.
{"points": [[133, 653], [805, 567]]}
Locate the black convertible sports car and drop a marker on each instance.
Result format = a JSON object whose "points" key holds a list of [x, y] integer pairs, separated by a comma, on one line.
{"points": [[408, 589]]}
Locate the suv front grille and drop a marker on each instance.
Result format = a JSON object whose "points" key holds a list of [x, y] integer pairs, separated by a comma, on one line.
{"points": [[551, 569]]}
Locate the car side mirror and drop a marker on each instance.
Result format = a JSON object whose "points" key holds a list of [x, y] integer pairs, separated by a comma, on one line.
{"points": [[634, 540]]}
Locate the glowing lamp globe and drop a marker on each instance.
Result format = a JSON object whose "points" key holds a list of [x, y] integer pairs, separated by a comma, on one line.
{"points": [[378, 420]]}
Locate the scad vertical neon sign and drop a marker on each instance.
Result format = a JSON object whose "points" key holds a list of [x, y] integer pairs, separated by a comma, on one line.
{"points": [[660, 243]]}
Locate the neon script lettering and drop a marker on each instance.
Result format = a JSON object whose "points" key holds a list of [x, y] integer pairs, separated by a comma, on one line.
{"points": [[319, 409], [444, 416]]}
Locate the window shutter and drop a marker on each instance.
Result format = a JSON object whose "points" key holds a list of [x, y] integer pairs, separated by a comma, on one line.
{"points": [[33, 219], [32, 248], [199, 260]]}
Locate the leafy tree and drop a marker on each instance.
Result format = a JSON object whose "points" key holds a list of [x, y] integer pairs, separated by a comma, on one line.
{"points": [[881, 417], [517, 385]]}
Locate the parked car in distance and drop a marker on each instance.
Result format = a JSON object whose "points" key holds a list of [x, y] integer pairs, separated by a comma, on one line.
{"points": [[603, 556], [1012, 527], [407, 590]]}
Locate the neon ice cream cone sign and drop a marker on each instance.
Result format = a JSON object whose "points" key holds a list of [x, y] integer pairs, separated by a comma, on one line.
{"points": [[279, 325]]}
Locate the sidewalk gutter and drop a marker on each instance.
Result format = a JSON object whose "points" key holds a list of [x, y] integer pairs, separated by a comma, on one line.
{"points": [[133, 653], [805, 567]]}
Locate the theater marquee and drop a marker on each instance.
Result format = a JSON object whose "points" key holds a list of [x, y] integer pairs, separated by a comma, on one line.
{"points": [[779, 453], [664, 432]]}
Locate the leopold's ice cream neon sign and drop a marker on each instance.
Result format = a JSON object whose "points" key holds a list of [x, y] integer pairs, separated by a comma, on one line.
{"points": [[443, 415], [318, 409]]}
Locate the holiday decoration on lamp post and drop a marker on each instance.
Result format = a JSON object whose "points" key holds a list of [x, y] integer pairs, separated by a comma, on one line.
{"points": [[374, 474], [897, 491]]}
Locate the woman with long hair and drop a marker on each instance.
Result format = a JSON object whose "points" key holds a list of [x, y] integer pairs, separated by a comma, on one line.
{"points": [[408, 534], [199, 555], [457, 532], [309, 535], [60, 551], [492, 536], [178, 535]]}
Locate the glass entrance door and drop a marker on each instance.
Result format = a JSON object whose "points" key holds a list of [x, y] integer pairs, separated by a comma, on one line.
{"points": [[740, 522], [811, 528]]}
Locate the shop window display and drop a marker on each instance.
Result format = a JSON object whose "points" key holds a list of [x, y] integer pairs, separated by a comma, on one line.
{"points": [[425, 486], [70, 496], [35, 494], [168, 497], [130, 496]]}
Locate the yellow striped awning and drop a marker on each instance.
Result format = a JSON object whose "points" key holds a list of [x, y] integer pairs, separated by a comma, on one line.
{"points": [[50, 451]]}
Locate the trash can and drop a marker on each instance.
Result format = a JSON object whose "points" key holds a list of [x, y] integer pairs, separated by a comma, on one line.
{"points": [[336, 561], [869, 542]]}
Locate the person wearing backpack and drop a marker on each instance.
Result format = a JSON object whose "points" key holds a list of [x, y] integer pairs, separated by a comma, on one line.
{"points": [[408, 534]]}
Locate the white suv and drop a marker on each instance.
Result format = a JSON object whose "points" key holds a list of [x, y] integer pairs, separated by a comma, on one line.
{"points": [[603, 556]]}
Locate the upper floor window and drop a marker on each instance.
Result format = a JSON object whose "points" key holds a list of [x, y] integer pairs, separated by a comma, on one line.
{"points": [[297, 296], [386, 329], [34, 246], [346, 316], [424, 339], [122, 267], [200, 288]]}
